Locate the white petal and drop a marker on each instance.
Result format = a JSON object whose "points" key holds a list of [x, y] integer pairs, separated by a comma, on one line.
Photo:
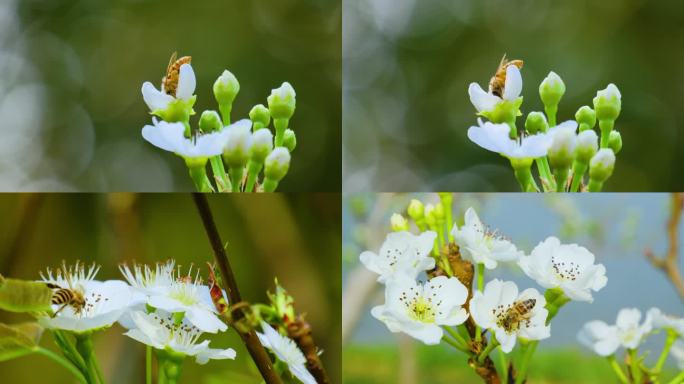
{"points": [[300, 372], [205, 320], [186, 82], [628, 318], [164, 136], [482, 100], [215, 354], [429, 334], [154, 98], [506, 340], [513, 83]]}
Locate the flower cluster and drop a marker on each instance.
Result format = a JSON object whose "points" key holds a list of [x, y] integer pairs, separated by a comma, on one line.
{"points": [[630, 332], [563, 152], [237, 152], [452, 303]]}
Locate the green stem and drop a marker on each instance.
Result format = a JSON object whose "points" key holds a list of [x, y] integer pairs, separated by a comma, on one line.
{"points": [[71, 353], [617, 369], [523, 173], [502, 362], [578, 171], [199, 176], [669, 341], [454, 344], [225, 113], [679, 379], [545, 173], [84, 346], [280, 127], [555, 306], [527, 351], [63, 362], [606, 127], [561, 176], [222, 182], [98, 371], [148, 364], [455, 335], [270, 185], [595, 186], [551, 111], [447, 201], [236, 177], [480, 287], [490, 347], [513, 133], [634, 365], [253, 169]]}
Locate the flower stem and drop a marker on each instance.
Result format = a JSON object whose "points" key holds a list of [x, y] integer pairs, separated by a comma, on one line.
{"points": [[249, 338], [71, 353], [527, 352], [148, 365], [447, 202], [222, 182], [578, 171], [280, 127], [617, 369], [606, 127], [679, 379], [480, 287], [236, 177], [455, 344], [490, 347], [594, 186], [561, 177], [523, 173], [671, 337], [634, 365], [551, 111], [199, 176], [545, 173], [225, 110], [554, 306], [84, 345], [270, 185], [456, 336], [502, 362], [63, 362], [253, 169]]}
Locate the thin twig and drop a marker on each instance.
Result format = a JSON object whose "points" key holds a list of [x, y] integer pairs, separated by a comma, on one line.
{"points": [[249, 338], [669, 263], [300, 331]]}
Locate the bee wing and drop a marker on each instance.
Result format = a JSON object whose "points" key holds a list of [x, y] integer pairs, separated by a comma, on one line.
{"points": [[172, 60]]}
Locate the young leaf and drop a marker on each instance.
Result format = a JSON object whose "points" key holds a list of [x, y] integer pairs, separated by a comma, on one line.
{"points": [[24, 296], [19, 340]]}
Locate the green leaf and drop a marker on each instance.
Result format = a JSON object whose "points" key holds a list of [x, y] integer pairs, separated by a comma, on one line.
{"points": [[24, 296], [18, 340]]}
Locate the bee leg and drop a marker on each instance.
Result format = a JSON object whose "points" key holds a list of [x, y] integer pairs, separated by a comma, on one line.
{"points": [[59, 310]]}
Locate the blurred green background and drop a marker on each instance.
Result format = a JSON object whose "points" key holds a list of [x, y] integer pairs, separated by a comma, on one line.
{"points": [[71, 110], [408, 63], [295, 238], [616, 227]]}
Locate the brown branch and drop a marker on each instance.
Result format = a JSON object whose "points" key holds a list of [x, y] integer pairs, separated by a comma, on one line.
{"points": [[249, 338], [300, 331], [669, 264]]}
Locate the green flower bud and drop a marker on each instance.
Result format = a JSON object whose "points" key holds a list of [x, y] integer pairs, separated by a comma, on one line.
{"points": [[210, 121], [439, 212], [615, 141], [586, 118], [282, 102], [552, 89], [399, 223], [536, 122], [562, 150], [607, 103], [289, 140], [416, 210], [430, 217], [262, 145], [277, 164], [587, 145], [226, 88], [601, 165], [237, 149], [260, 116]]}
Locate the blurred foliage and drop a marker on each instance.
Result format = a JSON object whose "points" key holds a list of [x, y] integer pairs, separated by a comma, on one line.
{"points": [[408, 63], [293, 237], [73, 69]]}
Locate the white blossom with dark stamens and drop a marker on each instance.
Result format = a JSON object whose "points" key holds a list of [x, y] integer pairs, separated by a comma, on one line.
{"points": [[401, 253]]}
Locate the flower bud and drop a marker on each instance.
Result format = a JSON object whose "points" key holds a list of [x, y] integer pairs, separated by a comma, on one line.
{"points": [[430, 217], [587, 145], [536, 122], [586, 118], [210, 121], [262, 145], [552, 89], [607, 103], [226, 88], [562, 150], [399, 223], [236, 151], [277, 164], [282, 102], [289, 140], [439, 212], [601, 165], [260, 116], [416, 210], [615, 141]]}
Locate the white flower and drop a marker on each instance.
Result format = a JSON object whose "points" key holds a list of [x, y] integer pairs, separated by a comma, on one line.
{"points": [[600, 337], [166, 289], [487, 101], [420, 310], [677, 352], [287, 351], [171, 137], [665, 321], [564, 138], [482, 246], [239, 142], [96, 304], [498, 309], [604, 159], [401, 253], [159, 99], [495, 138], [565, 266], [159, 331]]}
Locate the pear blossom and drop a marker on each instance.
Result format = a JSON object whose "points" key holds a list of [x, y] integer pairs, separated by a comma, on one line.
{"points": [[158, 100], [487, 101], [566, 266], [171, 137], [496, 309], [665, 321], [166, 289], [160, 331], [286, 351], [627, 332], [481, 245], [401, 253], [420, 310], [104, 302], [600, 337], [677, 351], [495, 138]]}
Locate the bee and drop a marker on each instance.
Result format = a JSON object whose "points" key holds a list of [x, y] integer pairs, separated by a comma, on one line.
{"points": [[67, 296], [519, 312], [170, 80], [498, 81], [215, 291]]}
